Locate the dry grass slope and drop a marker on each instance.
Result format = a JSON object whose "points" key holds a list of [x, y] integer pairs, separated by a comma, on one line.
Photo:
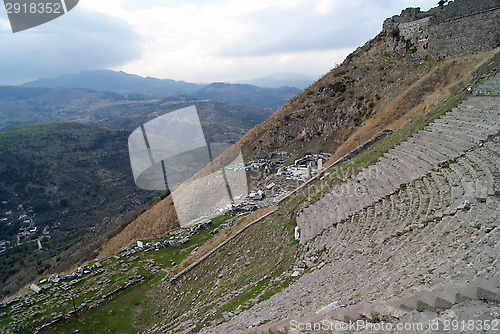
{"points": [[369, 92]]}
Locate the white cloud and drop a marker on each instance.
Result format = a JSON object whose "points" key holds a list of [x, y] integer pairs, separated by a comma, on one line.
{"points": [[212, 40], [234, 39], [79, 40]]}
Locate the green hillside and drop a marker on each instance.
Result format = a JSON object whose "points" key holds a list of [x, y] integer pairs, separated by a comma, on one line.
{"points": [[64, 178]]}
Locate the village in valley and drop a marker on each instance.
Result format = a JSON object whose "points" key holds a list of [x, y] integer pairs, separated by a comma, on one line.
{"points": [[22, 218]]}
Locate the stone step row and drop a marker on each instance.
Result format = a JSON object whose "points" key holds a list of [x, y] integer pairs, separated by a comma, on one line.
{"points": [[440, 297], [483, 121], [491, 161], [409, 161], [438, 194]]}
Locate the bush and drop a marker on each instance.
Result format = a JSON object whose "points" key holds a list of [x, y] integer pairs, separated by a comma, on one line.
{"points": [[338, 87], [395, 33]]}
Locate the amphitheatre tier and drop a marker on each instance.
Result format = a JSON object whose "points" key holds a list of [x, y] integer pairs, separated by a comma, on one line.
{"points": [[406, 239]]}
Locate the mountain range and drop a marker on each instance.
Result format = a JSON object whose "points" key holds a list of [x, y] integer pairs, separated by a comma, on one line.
{"points": [[278, 80], [133, 86]]}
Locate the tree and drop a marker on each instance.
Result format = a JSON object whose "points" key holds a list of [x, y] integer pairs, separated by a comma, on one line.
{"points": [[40, 205]]}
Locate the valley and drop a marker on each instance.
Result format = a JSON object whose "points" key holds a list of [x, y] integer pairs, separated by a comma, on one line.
{"points": [[72, 182]]}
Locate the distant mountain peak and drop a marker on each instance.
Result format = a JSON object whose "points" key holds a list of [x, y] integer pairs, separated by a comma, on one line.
{"points": [[282, 79]]}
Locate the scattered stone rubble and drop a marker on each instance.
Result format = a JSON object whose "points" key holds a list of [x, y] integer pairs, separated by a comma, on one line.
{"points": [[103, 279], [280, 183]]}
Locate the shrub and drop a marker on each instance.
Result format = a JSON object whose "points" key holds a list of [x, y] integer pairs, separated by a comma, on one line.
{"points": [[395, 33], [338, 87]]}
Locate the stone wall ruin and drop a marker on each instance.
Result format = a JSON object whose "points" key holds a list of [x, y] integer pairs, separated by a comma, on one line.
{"points": [[459, 28]]}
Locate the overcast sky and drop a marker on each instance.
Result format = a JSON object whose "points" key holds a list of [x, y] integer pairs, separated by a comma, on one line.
{"points": [[195, 40]]}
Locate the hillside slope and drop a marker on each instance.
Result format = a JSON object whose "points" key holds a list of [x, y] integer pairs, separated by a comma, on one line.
{"points": [[404, 240], [433, 235], [370, 91], [66, 179], [381, 234], [118, 82]]}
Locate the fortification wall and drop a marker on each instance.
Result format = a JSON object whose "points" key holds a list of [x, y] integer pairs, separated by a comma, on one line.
{"points": [[465, 35], [461, 27], [459, 8]]}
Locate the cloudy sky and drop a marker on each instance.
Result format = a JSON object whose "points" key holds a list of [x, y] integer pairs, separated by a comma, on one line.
{"points": [[195, 40]]}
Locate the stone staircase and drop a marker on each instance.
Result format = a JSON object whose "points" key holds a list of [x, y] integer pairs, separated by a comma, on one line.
{"points": [[467, 126], [427, 212], [418, 308], [490, 87]]}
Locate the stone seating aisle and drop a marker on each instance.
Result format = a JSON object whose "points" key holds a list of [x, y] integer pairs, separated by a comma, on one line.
{"points": [[466, 126], [490, 87], [425, 220]]}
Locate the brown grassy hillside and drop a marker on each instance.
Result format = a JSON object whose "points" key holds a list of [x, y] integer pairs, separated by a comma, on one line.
{"points": [[369, 92]]}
